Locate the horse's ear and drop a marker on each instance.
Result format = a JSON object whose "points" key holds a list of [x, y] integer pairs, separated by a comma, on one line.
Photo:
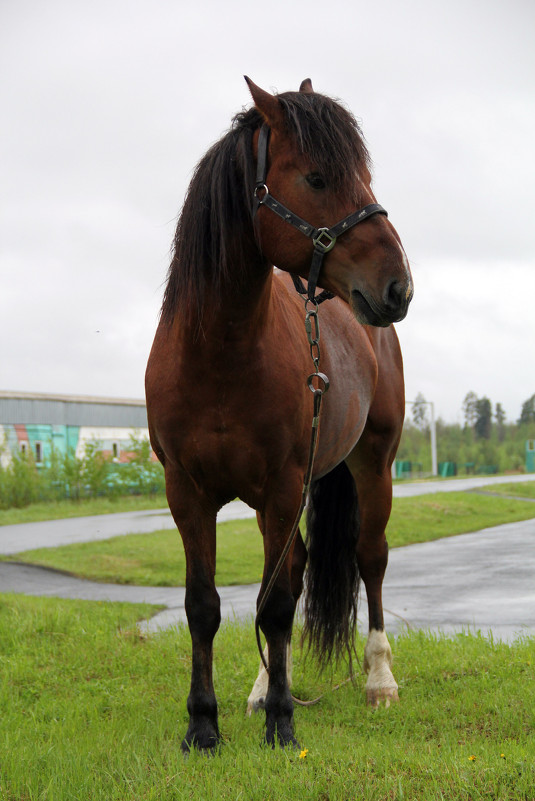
{"points": [[306, 86], [267, 104]]}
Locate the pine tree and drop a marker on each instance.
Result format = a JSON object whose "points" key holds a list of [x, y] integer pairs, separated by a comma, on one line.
{"points": [[500, 421], [419, 412], [483, 424], [470, 409], [527, 415]]}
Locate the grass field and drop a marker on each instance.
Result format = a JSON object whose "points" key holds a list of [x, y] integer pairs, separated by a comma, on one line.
{"points": [[158, 558], [56, 510], [91, 710], [525, 489]]}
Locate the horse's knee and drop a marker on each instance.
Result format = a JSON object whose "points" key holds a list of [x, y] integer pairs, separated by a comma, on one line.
{"points": [[203, 610], [277, 615]]}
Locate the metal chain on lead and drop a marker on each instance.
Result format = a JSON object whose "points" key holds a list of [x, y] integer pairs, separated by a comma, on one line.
{"points": [[317, 382], [313, 336]]}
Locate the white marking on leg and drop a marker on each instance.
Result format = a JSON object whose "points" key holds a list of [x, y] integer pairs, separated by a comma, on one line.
{"points": [[257, 698], [381, 685]]}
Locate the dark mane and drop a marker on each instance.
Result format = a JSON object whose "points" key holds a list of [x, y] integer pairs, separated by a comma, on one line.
{"points": [[329, 135], [215, 227]]}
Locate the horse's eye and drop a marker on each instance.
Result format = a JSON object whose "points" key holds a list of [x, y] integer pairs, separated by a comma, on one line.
{"points": [[315, 180]]}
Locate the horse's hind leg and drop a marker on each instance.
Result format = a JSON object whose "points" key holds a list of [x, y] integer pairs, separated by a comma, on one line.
{"points": [[374, 488], [257, 696], [198, 531]]}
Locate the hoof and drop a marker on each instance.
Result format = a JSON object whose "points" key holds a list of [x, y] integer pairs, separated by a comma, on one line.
{"points": [[204, 742], [381, 686], [207, 751], [283, 742], [280, 733], [384, 695], [255, 704]]}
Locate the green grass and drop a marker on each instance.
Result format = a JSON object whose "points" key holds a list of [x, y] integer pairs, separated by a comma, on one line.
{"points": [[158, 558], [91, 710], [525, 489], [56, 510], [430, 517], [155, 559]]}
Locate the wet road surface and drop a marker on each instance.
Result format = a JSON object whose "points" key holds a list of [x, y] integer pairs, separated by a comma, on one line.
{"points": [[480, 581]]}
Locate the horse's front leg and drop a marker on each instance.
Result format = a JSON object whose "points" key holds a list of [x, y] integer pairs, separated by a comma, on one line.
{"points": [[202, 603], [257, 697], [276, 620]]}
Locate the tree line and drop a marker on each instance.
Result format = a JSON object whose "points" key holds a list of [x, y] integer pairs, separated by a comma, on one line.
{"points": [[485, 442]]}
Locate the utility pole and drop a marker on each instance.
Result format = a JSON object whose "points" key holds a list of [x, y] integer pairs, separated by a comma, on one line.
{"points": [[433, 432], [434, 462]]}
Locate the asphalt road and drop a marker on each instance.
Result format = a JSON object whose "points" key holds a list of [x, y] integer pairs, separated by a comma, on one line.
{"points": [[482, 581], [51, 533]]}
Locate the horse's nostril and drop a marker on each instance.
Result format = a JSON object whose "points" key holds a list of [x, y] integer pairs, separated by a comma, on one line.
{"points": [[395, 295]]}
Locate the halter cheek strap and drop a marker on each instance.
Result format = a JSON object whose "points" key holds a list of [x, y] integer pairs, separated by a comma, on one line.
{"points": [[324, 239]]}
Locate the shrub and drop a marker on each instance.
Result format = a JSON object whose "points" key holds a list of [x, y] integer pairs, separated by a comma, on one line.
{"points": [[22, 482]]}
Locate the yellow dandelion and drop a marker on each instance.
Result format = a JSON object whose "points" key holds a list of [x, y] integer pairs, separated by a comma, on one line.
{"points": [[303, 753], [472, 758], [502, 756]]}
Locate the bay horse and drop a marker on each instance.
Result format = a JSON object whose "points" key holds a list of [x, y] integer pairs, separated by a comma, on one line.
{"points": [[228, 404]]}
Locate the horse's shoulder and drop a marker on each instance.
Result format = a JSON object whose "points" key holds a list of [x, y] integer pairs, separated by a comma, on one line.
{"points": [[385, 344]]}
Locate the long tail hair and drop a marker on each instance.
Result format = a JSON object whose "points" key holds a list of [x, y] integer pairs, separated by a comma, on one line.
{"points": [[332, 581]]}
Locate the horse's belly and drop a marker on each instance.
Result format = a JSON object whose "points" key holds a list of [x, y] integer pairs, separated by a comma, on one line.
{"points": [[340, 430], [350, 364]]}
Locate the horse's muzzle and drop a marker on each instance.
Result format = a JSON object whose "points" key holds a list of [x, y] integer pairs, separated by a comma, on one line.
{"points": [[397, 298], [393, 309]]}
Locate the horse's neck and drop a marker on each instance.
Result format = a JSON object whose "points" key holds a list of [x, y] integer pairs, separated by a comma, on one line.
{"points": [[237, 319]]}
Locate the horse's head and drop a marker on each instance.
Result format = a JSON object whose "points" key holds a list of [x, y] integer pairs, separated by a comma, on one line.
{"points": [[317, 178]]}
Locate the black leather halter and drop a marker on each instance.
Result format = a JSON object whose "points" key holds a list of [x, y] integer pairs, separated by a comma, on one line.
{"points": [[324, 239]]}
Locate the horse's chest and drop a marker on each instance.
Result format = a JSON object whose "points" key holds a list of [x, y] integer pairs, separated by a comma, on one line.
{"points": [[230, 434]]}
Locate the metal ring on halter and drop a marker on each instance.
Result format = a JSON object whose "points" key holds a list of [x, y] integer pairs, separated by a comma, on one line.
{"points": [[310, 300], [324, 380], [258, 189]]}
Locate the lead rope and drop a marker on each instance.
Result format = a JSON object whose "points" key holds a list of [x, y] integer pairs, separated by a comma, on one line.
{"points": [[318, 383]]}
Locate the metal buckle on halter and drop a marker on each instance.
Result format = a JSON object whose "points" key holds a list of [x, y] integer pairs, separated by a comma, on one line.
{"points": [[324, 233]]}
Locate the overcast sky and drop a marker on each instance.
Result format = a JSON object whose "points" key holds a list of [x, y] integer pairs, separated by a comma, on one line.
{"points": [[107, 106]]}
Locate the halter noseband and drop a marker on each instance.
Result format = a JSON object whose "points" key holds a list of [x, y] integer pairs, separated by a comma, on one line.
{"points": [[324, 239]]}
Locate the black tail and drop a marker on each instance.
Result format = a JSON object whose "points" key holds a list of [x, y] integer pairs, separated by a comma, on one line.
{"points": [[332, 581]]}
